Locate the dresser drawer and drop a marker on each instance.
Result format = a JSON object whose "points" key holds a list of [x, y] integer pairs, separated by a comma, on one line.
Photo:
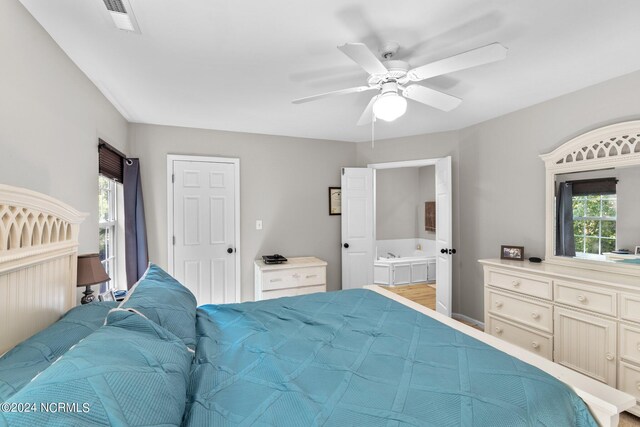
{"points": [[630, 307], [536, 315], [630, 343], [538, 343], [585, 296], [629, 379], [292, 292], [293, 278], [539, 287]]}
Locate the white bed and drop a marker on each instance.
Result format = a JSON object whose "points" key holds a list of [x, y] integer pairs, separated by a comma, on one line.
{"points": [[37, 285]]}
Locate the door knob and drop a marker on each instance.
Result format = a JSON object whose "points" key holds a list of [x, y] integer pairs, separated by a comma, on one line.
{"points": [[230, 250], [443, 251], [346, 246]]}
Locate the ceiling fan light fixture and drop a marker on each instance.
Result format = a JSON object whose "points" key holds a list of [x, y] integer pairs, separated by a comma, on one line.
{"points": [[389, 106]]}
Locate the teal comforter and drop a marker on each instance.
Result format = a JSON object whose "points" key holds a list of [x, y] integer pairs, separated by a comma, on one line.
{"points": [[356, 358]]}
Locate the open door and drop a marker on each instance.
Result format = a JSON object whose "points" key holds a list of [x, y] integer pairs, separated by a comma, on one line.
{"points": [[357, 227], [444, 238]]}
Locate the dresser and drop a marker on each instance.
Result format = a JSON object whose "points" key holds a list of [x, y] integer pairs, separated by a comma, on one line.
{"points": [[583, 319], [298, 276]]}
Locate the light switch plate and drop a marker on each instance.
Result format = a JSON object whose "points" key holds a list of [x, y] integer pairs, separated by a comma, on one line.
{"points": [[258, 224]]}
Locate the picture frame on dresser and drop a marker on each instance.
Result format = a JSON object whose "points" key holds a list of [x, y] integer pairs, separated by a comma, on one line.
{"points": [[515, 253]]}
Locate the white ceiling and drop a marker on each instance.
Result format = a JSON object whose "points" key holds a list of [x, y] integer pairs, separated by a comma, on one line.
{"points": [[236, 65]]}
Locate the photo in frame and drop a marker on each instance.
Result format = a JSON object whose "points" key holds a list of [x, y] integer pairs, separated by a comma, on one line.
{"points": [[335, 201], [430, 216], [515, 253]]}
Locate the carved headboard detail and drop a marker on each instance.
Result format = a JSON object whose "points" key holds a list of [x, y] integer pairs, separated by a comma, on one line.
{"points": [[38, 256]]}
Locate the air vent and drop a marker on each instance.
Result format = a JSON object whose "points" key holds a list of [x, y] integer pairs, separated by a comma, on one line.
{"points": [[122, 15], [115, 6]]}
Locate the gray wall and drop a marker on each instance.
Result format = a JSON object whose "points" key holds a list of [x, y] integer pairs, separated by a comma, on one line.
{"points": [[427, 193], [396, 194], [502, 177], [283, 181], [400, 197], [51, 116], [628, 224]]}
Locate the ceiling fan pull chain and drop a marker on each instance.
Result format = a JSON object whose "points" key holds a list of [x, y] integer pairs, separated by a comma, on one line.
{"points": [[373, 132]]}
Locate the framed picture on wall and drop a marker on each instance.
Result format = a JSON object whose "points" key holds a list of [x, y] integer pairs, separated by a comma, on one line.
{"points": [[637, 250], [335, 201], [430, 216], [512, 252]]}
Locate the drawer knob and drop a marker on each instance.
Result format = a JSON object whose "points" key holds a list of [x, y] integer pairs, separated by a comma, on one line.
{"points": [[296, 275], [275, 280], [535, 345], [610, 357], [309, 276], [515, 283], [582, 298], [498, 330], [498, 304], [535, 315]]}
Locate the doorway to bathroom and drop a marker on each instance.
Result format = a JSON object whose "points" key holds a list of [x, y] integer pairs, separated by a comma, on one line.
{"points": [[397, 228]]}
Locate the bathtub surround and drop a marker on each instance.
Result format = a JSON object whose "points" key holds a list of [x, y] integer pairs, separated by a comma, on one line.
{"points": [[404, 270], [405, 247]]}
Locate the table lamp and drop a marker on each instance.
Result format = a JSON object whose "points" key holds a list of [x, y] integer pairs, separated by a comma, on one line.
{"points": [[90, 272]]}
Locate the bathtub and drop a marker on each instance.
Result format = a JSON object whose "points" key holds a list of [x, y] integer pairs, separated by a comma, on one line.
{"points": [[404, 270]]}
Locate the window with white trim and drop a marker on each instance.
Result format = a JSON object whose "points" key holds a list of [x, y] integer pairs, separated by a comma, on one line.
{"points": [[108, 227], [594, 223]]}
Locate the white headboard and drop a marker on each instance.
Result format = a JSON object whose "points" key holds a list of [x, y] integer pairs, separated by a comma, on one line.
{"points": [[38, 256]]}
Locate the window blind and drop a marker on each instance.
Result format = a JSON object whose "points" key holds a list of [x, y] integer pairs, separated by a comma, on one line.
{"points": [[111, 161]]}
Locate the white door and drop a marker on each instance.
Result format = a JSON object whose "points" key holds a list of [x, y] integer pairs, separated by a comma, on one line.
{"points": [[357, 227], [444, 239], [204, 229]]}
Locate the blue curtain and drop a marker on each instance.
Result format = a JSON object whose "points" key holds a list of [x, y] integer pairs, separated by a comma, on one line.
{"points": [[136, 249], [565, 242]]}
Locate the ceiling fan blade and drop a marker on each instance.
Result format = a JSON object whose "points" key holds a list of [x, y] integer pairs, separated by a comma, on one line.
{"points": [[334, 93], [361, 54], [367, 115], [480, 56], [430, 97]]}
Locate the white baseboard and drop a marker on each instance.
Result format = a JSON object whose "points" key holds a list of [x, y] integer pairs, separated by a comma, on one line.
{"points": [[468, 319]]}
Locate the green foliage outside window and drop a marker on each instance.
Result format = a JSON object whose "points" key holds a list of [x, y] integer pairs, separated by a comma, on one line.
{"points": [[594, 223]]}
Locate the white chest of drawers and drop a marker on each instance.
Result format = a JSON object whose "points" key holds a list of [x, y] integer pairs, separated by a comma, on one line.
{"points": [[586, 320], [298, 276]]}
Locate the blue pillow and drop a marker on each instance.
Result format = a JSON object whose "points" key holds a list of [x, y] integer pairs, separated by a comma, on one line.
{"points": [[161, 298], [130, 372], [32, 356]]}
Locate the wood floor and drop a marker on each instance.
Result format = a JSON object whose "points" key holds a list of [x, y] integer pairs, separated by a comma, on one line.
{"points": [[422, 293], [425, 294]]}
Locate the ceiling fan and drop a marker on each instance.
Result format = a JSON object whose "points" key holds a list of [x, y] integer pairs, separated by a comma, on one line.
{"points": [[394, 80]]}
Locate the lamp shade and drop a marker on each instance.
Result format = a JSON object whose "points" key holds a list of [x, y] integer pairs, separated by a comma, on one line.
{"points": [[90, 270], [389, 106]]}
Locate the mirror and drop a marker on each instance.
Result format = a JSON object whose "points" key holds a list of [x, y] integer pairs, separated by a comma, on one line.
{"points": [[597, 215], [592, 200]]}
